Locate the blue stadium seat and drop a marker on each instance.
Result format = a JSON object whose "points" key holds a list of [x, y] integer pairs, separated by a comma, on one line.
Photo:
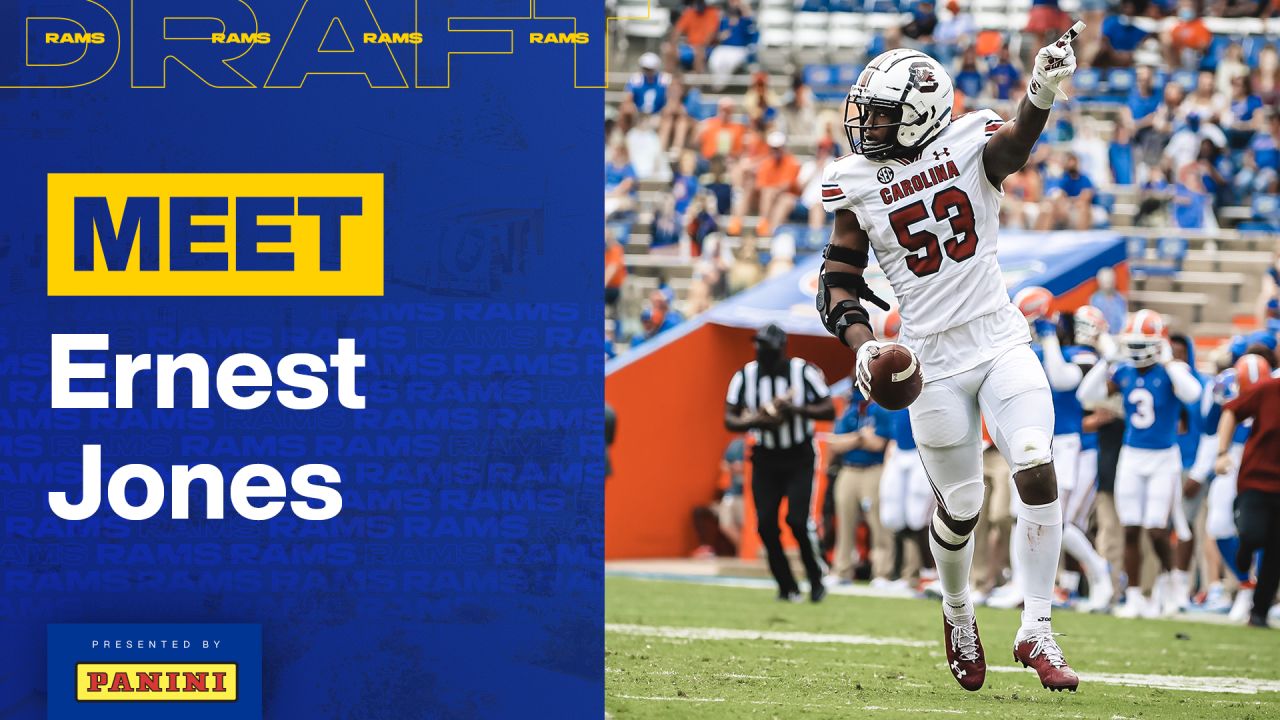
{"points": [[1086, 81], [1266, 207], [1120, 81], [1173, 250], [621, 230], [1185, 78]]}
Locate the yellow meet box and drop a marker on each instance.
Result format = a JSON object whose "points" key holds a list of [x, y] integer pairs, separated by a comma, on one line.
{"points": [[215, 234]]}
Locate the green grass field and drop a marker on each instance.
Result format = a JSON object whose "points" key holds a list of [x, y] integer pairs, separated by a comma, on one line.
{"points": [[659, 662]]}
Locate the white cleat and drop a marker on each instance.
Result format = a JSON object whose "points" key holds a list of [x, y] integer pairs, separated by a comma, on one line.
{"points": [[1100, 592], [1242, 606], [1135, 604], [1005, 597]]}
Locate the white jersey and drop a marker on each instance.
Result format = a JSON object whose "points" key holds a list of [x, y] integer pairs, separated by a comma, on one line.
{"points": [[933, 223]]}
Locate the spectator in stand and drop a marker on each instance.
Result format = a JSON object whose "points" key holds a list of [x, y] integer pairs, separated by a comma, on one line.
{"points": [[799, 107], [1260, 163], [619, 183], [924, 20], [1205, 101], [1021, 203], [718, 185], [809, 206], [696, 28], [658, 317], [1187, 142], [1244, 113], [1191, 202], [721, 135], [737, 36], [1163, 122], [1188, 39], [684, 186], [1120, 37], [969, 80], [956, 32], [1142, 103], [667, 228], [1120, 156], [1045, 23], [1154, 195], [615, 270], [760, 101], [860, 437], [776, 183], [1268, 76], [1004, 76], [1114, 305], [1068, 199], [1230, 66], [677, 115], [1214, 167], [700, 221], [648, 88]]}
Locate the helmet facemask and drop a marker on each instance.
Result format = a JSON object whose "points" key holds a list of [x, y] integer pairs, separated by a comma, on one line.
{"points": [[858, 121]]}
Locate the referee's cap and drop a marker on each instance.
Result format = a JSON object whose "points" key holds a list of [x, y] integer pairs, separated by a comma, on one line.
{"points": [[771, 336]]}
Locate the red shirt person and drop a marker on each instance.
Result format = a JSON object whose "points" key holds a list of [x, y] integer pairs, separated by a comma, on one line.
{"points": [[1258, 501]]}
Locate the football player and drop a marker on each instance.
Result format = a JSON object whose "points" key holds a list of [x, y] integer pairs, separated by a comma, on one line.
{"points": [[1220, 520], [923, 191], [1154, 386], [1063, 369], [906, 501]]}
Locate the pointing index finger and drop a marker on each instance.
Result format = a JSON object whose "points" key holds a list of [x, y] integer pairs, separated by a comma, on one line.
{"points": [[1071, 34]]}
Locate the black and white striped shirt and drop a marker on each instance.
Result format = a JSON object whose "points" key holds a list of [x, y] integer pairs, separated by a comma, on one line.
{"points": [[750, 390]]}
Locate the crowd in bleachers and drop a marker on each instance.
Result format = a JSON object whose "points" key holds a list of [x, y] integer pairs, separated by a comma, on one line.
{"points": [[727, 121]]}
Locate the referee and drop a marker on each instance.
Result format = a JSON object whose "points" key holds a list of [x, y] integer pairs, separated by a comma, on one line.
{"points": [[776, 399]]}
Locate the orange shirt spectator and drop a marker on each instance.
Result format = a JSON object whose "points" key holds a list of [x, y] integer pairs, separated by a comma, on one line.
{"points": [[698, 27], [1192, 34], [778, 170], [615, 265], [720, 135]]}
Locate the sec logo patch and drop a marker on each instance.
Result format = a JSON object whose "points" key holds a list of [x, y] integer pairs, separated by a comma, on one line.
{"points": [[885, 175]]}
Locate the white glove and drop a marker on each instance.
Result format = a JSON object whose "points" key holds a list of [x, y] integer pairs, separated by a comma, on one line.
{"points": [[862, 366], [1107, 348], [1166, 353], [1053, 65]]}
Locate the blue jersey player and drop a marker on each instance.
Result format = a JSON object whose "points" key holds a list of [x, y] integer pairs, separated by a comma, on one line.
{"points": [[1153, 387]]}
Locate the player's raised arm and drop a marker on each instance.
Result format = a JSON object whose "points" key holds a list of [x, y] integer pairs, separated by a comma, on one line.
{"points": [[1009, 149]]}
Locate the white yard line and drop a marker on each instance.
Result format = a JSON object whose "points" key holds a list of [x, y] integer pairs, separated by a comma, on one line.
{"points": [[706, 633], [1234, 685], [1209, 684]]}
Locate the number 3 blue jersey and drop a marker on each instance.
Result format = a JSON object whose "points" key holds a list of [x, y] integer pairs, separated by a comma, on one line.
{"points": [[1068, 415], [1151, 409]]}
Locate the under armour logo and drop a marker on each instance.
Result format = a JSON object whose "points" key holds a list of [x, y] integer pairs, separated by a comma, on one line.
{"points": [[955, 669], [946, 152]]}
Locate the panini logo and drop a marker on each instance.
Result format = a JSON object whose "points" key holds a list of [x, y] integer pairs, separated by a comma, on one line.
{"points": [[166, 682], [215, 234]]}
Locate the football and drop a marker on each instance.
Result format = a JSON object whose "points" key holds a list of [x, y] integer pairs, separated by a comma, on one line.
{"points": [[895, 377]]}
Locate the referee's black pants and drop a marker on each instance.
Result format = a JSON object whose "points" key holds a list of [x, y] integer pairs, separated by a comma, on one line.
{"points": [[1258, 522], [775, 475]]}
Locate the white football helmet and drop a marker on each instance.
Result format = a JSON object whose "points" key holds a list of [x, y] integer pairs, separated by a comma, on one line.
{"points": [[1143, 337], [1091, 324], [917, 93]]}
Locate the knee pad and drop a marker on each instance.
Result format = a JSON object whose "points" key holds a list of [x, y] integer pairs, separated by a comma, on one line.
{"points": [[961, 502], [1030, 447]]}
